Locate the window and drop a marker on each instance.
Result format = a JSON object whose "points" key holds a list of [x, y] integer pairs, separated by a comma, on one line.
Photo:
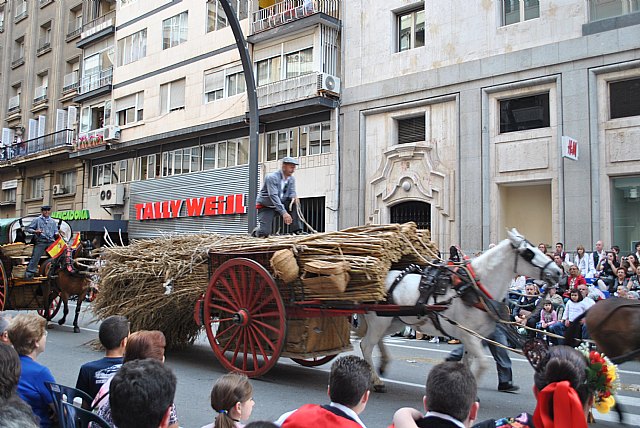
{"points": [[75, 21], [313, 212], [21, 9], [216, 18], [269, 70], [19, 49], [411, 30], [299, 141], [299, 63], [181, 161], [130, 109], [1, 19], [174, 30], [625, 211], [95, 117], [42, 80], [519, 10], [145, 167], [36, 187], [411, 130], [602, 9], [68, 181], [132, 48], [225, 154], [9, 195], [624, 98], [72, 75], [109, 173], [172, 96], [223, 83], [44, 40], [518, 114]]}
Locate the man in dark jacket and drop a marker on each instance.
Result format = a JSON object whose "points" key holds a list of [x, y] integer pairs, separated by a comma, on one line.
{"points": [[276, 195], [46, 232]]}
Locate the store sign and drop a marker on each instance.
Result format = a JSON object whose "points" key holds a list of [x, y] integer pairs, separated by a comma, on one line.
{"points": [[71, 215], [10, 184], [569, 148], [192, 207]]}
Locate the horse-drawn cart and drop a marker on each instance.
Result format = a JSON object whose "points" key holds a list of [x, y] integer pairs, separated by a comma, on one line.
{"points": [[16, 291]]}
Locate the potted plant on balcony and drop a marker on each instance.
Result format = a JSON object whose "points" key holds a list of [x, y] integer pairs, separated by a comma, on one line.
{"points": [[95, 140], [82, 143]]}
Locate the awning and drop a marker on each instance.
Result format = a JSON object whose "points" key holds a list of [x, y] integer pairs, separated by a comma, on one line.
{"points": [[99, 225]]}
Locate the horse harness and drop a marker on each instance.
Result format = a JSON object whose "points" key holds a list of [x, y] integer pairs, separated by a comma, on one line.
{"points": [[436, 279]]}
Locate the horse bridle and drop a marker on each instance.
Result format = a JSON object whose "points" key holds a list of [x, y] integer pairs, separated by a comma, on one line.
{"points": [[528, 255]]}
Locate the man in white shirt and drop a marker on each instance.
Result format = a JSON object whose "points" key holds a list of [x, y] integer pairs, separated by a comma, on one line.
{"points": [[598, 254]]}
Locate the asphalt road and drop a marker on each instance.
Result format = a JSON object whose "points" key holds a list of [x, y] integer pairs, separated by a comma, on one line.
{"points": [[289, 385]]}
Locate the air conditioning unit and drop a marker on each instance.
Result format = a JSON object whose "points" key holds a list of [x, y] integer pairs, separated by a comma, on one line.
{"points": [[58, 189], [111, 195], [328, 84], [112, 133]]}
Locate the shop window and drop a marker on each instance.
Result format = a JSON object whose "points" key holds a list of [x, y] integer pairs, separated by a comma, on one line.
{"points": [[411, 130], [174, 30], [313, 211], [519, 114], [410, 30], [625, 212], [514, 11], [36, 187], [624, 98]]}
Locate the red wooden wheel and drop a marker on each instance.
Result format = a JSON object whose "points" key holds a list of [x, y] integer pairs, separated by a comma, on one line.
{"points": [[315, 361], [3, 286], [244, 317]]}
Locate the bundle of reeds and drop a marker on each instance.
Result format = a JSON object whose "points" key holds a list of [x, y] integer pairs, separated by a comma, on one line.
{"points": [[155, 283]]}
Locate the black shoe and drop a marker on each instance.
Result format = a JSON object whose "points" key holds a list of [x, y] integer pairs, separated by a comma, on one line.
{"points": [[398, 334], [508, 387]]}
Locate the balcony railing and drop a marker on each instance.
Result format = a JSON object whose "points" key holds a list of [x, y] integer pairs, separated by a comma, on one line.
{"points": [[291, 10], [17, 62], [28, 147], [99, 24], [40, 94], [70, 82], [43, 45], [74, 30], [96, 80], [14, 104], [89, 139], [21, 12], [44, 2], [288, 90]]}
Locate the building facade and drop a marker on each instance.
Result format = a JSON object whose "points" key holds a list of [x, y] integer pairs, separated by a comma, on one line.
{"points": [[456, 113]]}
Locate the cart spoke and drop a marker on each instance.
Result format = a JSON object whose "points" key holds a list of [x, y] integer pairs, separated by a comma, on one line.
{"points": [[266, 301], [243, 284], [223, 332], [266, 326], [265, 339], [227, 299], [221, 308], [262, 351], [232, 339], [257, 295], [235, 286]]}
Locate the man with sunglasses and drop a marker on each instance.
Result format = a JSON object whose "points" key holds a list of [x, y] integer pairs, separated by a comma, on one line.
{"points": [[45, 231], [275, 197]]}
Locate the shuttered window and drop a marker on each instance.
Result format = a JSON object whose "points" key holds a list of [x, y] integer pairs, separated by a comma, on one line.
{"points": [[411, 130]]}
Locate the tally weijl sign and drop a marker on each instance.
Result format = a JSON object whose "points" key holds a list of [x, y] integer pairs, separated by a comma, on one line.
{"points": [[191, 207]]}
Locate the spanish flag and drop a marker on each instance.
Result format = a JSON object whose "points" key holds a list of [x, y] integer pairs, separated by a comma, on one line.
{"points": [[57, 247], [75, 242]]}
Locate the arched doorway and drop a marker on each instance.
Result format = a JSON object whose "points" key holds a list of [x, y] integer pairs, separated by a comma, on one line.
{"points": [[416, 211]]}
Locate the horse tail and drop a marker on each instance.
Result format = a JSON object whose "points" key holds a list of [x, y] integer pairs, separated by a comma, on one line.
{"points": [[618, 408], [573, 334]]}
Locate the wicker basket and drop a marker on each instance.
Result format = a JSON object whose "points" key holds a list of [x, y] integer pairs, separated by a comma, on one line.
{"points": [[18, 271], [285, 266], [321, 267], [17, 249], [325, 284]]}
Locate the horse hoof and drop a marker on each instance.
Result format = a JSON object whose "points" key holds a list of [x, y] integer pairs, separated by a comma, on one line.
{"points": [[380, 388], [76, 329], [61, 322]]}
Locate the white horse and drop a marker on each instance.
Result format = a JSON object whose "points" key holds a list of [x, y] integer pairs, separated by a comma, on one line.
{"points": [[494, 270]]}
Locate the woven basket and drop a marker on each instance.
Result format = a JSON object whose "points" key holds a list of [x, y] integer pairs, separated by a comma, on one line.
{"points": [[285, 266], [326, 284], [17, 249], [18, 271], [321, 267]]}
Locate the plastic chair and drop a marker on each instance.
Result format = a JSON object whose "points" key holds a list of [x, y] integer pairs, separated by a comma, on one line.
{"points": [[65, 394], [82, 418]]}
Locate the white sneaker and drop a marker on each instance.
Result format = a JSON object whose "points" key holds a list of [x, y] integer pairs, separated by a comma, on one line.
{"points": [[434, 339]]}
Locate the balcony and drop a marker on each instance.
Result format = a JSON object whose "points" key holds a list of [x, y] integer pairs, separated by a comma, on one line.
{"points": [[98, 28], [96, 80], [21, 13], [44, 46], [14, 104], [21, 149], [291, 10], [40, 95], [288, 90], [93, 138], [70, 83], [17, 62], [74, 30], [43, 3]]}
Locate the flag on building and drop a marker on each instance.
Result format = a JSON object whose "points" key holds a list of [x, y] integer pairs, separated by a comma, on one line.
{"points": [[57, 247]]}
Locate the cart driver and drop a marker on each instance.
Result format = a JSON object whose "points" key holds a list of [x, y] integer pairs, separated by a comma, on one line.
{"points": [[277, 193], [45, 231]]}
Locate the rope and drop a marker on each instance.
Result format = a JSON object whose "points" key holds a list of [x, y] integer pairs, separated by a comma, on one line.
{"points": [[300, 215]]}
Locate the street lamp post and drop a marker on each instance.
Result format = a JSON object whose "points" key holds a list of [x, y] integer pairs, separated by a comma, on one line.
{"points": [[247, 67]]}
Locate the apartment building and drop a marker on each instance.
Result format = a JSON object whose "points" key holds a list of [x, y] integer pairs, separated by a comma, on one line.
{"points": [[165, 134], [471, 117], [38, 77]]}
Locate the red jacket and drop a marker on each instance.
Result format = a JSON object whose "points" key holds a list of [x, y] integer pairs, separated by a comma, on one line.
{"points": [[315, 416]]}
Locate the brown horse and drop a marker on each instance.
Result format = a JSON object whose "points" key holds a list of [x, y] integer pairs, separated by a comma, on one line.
{"points": [[69, 278], [614, 324]]}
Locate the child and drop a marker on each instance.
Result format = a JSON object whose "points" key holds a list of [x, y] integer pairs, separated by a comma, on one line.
{"points": [[232, 400], [548, 316]]}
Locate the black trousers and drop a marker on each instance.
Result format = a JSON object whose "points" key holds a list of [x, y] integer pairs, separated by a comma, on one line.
{"points": [[266, 215]]}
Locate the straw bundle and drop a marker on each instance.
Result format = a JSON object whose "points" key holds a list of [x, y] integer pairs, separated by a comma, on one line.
{"points": [[155, 283]]}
